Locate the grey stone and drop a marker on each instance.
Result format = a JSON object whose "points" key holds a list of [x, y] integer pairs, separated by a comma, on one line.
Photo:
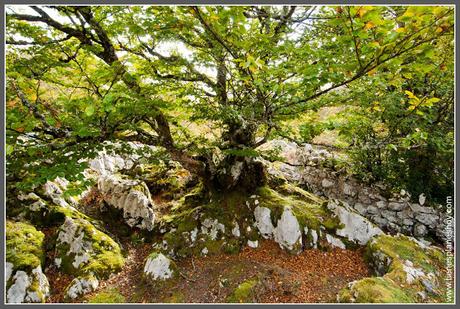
{"points": [[427, 219], [326, 183], [389, 215], [360, 208], [420, 230], [379, 221], [396, 206], [372, 210], [381, 204], [407, 222], [429, 286]]}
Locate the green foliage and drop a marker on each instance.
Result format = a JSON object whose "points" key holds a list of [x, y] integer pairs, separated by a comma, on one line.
{"points": [[237, 73]]}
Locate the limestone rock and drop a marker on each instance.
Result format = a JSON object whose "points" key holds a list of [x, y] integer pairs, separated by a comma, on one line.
{"points": [[287, 232], [132, 197], [159, 267], [25, 281], [81, 286], [335, 242], [356, 228], [263, 221], [83, 249]]}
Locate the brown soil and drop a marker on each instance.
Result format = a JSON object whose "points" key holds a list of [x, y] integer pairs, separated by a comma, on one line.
{"points": [[313, 276]]}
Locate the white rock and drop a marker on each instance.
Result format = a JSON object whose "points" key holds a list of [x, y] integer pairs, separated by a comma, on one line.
{"points": [[412, 272], [263, 221], [8, 271], [17, 291], [421, 199], [356, 227], [57, 262], [211, 227], [253, 244], [193, 234], [158, 267], [138, 208], [204, 251], [335, 241], [81, 286], [236, 230], [236, 170], [314, 237], [287, 232]]}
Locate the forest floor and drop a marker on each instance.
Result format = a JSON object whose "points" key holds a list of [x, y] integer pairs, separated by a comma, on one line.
{"points": [[313, 276]]}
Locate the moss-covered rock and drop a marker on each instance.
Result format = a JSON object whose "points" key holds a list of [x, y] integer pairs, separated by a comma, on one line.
{"points": [[24, 278], [374, 290], [244, 292], [82, 249], [81, 285], [409, 272]]}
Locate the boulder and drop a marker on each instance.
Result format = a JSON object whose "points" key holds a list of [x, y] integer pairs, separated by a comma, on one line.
{"points": [[407, 269], [263, 221], [287, 232], [130, 196], [81, 286], [159, 267], [82, 249], [24, 279]]}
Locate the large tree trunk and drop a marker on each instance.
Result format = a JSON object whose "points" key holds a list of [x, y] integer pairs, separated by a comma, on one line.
{"points": [[238, 172]]}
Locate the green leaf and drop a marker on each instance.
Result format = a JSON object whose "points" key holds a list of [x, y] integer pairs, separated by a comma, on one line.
{"points": [[89, 110]]}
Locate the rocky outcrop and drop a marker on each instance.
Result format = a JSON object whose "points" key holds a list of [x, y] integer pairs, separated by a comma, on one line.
{"points": [[408, 271], [82, 249], [310, 167], [355, 228], [132, 197], [24, 278]]}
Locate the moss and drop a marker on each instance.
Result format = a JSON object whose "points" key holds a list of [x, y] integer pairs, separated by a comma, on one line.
{"points": [[388, 254], [105, 256], [24, 245], [107, 296], [374, 290], [245, 292], [404, 248], [307, 209], [232, 246]]}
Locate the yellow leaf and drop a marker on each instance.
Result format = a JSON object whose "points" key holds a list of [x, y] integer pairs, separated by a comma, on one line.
{"points": [[439, 30], [410, 94], [361, 11], [372, 72], [401, 30], [369, 25]]}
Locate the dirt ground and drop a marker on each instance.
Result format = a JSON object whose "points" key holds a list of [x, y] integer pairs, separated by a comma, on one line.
{"points": [[313, 276]]}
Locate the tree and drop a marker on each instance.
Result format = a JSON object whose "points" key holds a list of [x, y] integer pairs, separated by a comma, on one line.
{"points": [[79, 75]]}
